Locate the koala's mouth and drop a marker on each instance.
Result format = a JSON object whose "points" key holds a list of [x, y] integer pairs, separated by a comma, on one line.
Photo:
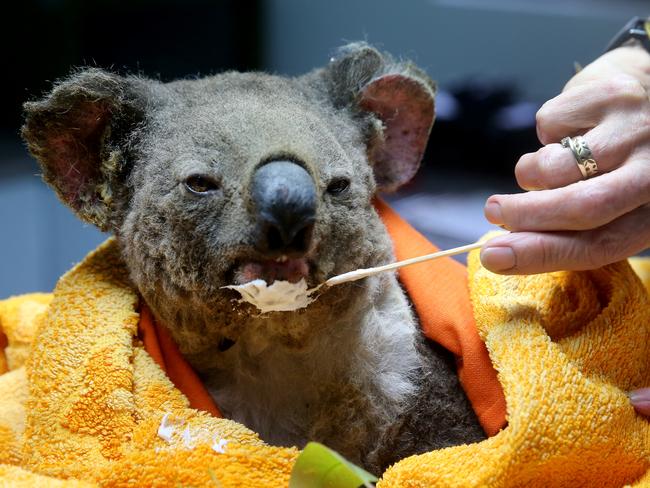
{"points": [[282, 269]]}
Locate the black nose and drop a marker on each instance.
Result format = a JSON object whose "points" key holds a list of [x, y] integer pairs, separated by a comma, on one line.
{"points": [[284, 195]]}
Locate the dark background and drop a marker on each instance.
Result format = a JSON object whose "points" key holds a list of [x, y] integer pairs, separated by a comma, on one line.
{"points": [[495, 61]]}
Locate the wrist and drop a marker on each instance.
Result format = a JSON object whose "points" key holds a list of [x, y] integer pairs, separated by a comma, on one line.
{"points": [[632, 59], [629, 50]]}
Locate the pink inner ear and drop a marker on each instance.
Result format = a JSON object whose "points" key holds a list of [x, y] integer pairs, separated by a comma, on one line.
{"points": [[74, 152], [406, 108]]}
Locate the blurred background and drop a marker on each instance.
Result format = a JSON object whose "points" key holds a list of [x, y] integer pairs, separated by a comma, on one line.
{"points": [[495, 62]]}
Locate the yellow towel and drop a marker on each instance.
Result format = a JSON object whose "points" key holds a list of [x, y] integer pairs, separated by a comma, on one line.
{"points": [[641, 267], [90, 407], [567, 347]]}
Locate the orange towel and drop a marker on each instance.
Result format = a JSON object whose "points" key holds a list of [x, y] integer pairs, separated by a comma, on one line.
{"points": [[161, 347], [439, 292]]}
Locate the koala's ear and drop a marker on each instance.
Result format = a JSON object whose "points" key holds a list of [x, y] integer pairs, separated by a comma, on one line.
{"points": [[79, 132], [399, 95]]}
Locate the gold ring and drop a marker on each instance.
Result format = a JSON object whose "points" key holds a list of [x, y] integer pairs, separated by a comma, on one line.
{"points": [[583, 155]]}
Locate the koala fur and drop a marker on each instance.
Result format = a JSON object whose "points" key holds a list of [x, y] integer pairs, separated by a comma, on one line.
{"points": [[352, 370]]}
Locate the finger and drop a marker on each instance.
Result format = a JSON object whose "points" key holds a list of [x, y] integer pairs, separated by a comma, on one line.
{"points": [[582, 107], [580, 206], [554, 165], [641, 400], [530, 253]]}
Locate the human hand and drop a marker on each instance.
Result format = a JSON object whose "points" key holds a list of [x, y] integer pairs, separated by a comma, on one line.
{"points": [[570, 223], [641, 401]]}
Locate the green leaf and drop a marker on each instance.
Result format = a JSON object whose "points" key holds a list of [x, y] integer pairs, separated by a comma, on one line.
{"points": [[318, 466], [214, 478]]}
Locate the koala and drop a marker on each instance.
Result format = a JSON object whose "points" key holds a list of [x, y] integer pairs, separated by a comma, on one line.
{"points": [[221, 180]]}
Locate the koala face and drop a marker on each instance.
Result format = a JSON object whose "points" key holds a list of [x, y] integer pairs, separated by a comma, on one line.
{"points": [[204, 177], [235, 177]]}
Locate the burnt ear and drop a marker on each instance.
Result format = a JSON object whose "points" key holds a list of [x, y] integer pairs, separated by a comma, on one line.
{"points": [[79, 134], [398, 97]]}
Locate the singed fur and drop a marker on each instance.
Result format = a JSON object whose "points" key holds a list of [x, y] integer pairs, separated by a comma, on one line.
{"points": [[365, 354], [352, 370]]}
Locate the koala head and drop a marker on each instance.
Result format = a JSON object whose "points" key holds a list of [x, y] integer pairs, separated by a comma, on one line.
{"points": [[221, 180]]}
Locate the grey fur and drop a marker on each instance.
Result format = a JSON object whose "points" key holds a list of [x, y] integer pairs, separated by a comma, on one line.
{"points": [[351, 370]]}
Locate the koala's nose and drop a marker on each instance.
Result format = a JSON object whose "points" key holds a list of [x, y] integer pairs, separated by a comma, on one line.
{"points": [[284, 195]]}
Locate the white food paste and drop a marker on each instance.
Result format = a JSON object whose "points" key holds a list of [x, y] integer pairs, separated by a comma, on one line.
{"points": [[280, 296]]}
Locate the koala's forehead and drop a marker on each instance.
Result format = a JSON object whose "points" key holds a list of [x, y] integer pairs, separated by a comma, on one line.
{"points": [[248, 117]]}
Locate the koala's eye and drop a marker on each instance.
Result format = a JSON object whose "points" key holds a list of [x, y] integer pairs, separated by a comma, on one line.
{"points": [[201, 184], [338, 186]]}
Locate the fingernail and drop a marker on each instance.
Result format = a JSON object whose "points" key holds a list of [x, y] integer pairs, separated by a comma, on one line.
{"points": [[641, 400], [642, 395], [493, 213], [498, 258]]}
